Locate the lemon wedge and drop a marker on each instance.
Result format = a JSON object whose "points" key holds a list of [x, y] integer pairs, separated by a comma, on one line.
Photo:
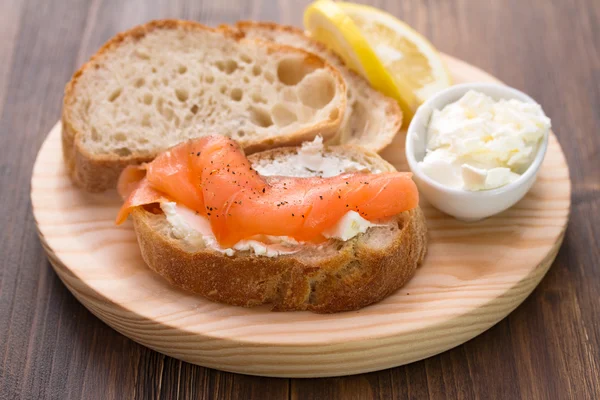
{"points": [[392, 56]]}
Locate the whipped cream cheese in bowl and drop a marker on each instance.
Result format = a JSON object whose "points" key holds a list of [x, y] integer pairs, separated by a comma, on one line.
{"points": [[475, 149]]}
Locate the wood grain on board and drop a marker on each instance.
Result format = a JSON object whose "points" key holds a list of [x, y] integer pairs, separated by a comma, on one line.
{"points": [[549, 347]]}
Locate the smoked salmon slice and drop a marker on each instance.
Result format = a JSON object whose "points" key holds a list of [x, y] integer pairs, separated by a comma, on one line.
{"points": [[213, 177], [137, 194]]}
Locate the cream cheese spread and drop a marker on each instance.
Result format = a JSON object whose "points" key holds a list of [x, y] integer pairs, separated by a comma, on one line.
{"points": [[195, 229], [310, 161], [477, 143], [350, 225]]}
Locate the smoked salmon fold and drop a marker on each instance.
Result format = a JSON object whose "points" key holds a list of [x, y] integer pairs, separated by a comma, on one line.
{"points": [[212, 176]]}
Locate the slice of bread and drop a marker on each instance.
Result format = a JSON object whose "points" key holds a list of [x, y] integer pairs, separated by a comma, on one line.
{"points": [[166, 81], [371, 120], [331, 277]]}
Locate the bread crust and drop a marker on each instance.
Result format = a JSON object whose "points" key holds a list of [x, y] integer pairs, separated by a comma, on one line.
{"points": [[346, 276], [394, 116], [96, 173], [351, 278]]}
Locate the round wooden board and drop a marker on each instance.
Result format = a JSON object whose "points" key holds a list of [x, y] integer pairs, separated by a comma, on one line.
{"points": [[473, 276]]}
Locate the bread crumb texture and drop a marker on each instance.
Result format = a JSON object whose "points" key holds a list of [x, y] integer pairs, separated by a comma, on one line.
{"points": [[146, 92]]}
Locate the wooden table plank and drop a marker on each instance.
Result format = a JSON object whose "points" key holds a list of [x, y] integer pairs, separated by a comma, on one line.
{"points": [[51, 347], [9, 26]]}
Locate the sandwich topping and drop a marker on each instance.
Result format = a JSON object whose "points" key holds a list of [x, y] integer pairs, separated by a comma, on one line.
{"points": [[212, 177], [195, 230], [309, 162]]}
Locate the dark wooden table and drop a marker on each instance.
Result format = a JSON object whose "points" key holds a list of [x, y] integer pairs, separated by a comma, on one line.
{"points": [[549, 348]]}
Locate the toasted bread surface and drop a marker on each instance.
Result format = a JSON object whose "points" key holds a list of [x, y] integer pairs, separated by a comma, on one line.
{"points": [[166, 81], [331, 277]]}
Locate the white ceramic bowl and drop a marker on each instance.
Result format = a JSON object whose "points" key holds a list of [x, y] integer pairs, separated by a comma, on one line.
{"points": [[463, 204]]}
